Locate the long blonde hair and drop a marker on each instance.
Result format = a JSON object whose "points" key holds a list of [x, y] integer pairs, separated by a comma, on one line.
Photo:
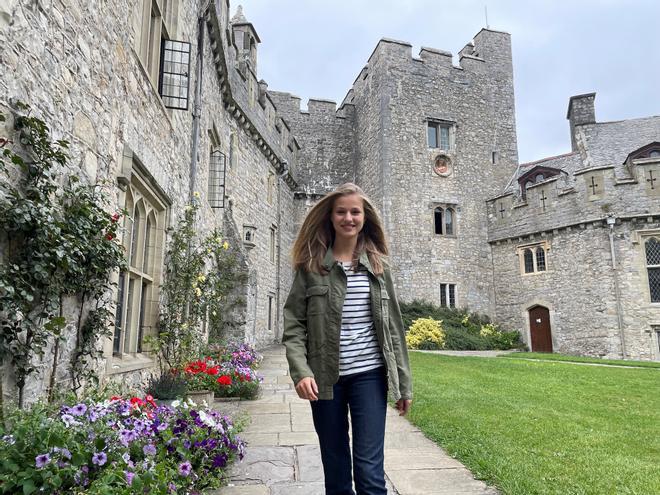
{"points": [[317, 233]]}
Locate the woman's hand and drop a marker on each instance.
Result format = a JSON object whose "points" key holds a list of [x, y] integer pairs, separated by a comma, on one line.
{"points": [[403, 406], [307, 388]]}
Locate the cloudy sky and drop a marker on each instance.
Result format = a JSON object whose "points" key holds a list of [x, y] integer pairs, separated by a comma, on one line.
{"points": [[316, 48]]}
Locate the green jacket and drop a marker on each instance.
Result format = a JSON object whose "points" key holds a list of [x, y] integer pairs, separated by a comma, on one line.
{"points": [[312, 326]]}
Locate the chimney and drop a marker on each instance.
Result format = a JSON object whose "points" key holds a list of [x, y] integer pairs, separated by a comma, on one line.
{"points": [[580, 111]]}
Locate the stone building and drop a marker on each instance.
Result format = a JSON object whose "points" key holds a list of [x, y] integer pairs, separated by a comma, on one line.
{"points": [[575, 241], [162, 98]]}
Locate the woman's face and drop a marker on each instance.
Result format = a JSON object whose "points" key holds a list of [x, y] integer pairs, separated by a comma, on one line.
{"points": [[348, 216]]}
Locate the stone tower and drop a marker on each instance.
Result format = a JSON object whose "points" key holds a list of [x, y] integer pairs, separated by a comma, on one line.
{"points": [[429, 142]]}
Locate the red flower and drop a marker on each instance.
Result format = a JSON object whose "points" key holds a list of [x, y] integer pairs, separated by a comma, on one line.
{"points": [[149, 398], [114, 398], [224, 380], [109, 236], [213, 370], [196, 367], [137, 402], [114, 218]]}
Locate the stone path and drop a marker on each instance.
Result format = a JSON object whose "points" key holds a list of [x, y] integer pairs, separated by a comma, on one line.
{"points": [[283, 455]]}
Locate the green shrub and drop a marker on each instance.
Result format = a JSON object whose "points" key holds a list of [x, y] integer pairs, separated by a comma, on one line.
{"points": [[458, 339], [426, 333], [463, 331]]}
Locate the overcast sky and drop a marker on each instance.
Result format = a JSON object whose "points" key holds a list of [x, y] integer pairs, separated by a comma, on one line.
{"points": [[316, 48]]}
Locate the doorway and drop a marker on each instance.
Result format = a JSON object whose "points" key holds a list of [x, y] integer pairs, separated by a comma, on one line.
{"points": [[539, 329]]}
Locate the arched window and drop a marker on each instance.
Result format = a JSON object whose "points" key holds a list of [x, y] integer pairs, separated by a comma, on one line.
{"points": [[437, 216], [654, 154], [540, 259], [652, 248], [529, 261], [539, 177], [449, 221]]}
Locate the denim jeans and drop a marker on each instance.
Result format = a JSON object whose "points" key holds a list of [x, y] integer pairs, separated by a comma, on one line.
{"points": [[365, 396]]}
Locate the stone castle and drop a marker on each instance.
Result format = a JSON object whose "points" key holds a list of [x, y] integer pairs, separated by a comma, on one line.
{"points": [[163, 98]]}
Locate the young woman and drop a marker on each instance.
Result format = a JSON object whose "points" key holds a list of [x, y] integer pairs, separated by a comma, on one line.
{"points": [[344, 337]]}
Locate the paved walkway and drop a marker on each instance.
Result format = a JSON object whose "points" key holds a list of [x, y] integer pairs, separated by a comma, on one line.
{"points": [[283, 455]]}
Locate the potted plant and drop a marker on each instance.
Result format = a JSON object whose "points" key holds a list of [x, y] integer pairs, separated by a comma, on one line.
{"points": [[200, 376], [167, 387]]}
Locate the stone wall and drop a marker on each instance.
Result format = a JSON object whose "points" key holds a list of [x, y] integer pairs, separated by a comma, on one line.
{"points": [[393, 105], [92, 89], [579, 289]]}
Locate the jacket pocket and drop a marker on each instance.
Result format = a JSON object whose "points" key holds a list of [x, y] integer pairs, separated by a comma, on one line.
{"points": [[317, 306], [317, 299]]}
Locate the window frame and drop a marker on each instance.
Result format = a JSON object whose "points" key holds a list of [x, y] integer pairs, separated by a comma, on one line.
{"points": [[651, 266], [530, 253], [441, 213], [447, 295], [138, 287], [434, 128]]}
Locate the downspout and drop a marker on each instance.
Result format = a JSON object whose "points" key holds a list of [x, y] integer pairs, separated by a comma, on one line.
{"points": [[197, 106], [611, 220], [278, 276]]}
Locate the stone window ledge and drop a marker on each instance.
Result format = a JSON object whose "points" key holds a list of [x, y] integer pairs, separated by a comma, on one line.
{"points": [[129, 362]]}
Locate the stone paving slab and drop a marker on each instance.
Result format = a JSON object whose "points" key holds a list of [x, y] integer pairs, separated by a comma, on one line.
{"points": [[282, 456]]}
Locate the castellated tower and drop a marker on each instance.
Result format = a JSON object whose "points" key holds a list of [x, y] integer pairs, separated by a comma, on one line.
{"points": [[429, 142]]}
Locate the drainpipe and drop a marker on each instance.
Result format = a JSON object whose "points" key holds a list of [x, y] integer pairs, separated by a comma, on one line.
{"points": [[197, 106], [278, 277], [611, 220]]}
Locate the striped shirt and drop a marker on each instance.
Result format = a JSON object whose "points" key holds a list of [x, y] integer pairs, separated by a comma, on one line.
{"points": [[358, 348]]}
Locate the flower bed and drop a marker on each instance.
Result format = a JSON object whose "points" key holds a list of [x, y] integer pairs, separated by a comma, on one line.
{"points": [[229, 373], [119, 446]]}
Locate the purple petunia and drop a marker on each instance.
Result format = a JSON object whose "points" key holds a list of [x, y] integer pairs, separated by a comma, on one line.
{"points": [[99, 458], [41, 460], [69, 420], [185, 468], [149, 449], [129, 477], [78, 409]]}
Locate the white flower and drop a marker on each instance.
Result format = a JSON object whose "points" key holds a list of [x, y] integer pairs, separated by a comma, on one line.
{"points": [[176, 403]]}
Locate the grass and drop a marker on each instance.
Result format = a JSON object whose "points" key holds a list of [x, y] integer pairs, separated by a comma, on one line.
{"points": [[531, 427], [580, 359]]}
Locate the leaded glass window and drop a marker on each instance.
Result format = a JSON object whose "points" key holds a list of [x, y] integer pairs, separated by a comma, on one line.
{"points": [[174, 74], [138, 283], [529, 261], [448, 295], [449, 221], [652, 248], [540, 259]]}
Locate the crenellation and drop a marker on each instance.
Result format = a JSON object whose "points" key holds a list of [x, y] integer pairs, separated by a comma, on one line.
{"points": [[436, 58]]}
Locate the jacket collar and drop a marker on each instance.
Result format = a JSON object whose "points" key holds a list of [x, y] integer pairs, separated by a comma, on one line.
{"points": [[329, 261]]}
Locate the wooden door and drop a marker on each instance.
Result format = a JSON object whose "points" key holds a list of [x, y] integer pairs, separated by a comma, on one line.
{"points": [[539, 329]]}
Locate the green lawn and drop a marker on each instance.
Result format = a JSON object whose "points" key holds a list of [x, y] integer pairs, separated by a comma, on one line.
{"points": [[580, 359], [531, 427]]}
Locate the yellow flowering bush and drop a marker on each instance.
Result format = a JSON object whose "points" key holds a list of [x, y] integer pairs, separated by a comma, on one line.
{"points": [[489, 329], [426, 333]]}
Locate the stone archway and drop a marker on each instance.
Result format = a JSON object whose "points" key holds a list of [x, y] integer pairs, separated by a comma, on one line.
{"points": [[539, 329]]}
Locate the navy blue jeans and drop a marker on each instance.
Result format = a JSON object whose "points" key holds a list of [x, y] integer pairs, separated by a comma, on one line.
{"points": [[365, 396]]}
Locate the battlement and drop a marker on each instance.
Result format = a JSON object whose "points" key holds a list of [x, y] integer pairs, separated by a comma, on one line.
{"points": [[489, 47], [561, 201]]}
